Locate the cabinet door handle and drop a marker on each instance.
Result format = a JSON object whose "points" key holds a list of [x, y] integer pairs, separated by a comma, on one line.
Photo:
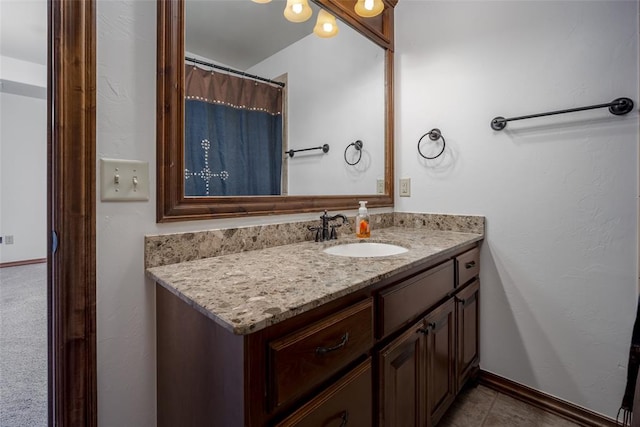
{"points": [[342, 343], [423, 331], [433, 325], [470, 264], [461, 300], [345, 418]]}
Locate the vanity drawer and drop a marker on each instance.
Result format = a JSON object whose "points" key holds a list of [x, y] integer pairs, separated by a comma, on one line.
{"points": [[305, 358], [468, 266], [347, 402], [405, 301]]}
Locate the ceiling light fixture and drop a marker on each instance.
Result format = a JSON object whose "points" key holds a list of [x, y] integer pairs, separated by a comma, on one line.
{"points": [[326, 25], [369, 8], [297, 10]]}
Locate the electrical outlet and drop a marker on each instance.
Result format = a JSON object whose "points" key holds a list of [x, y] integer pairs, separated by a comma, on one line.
{"points": [[8, 240], [405, 187], [380, 186]]}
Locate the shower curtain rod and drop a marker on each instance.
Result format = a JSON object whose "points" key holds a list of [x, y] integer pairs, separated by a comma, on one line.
{"points": [[231, 70], [618, 106]]}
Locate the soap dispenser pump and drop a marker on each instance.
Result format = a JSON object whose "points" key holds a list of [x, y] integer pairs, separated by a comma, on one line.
{"points": [[363, 227]]}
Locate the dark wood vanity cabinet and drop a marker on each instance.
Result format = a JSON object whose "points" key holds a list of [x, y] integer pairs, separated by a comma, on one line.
{"points": [[417, 371], [393, 354], [402, 369], [346, 402], [305, 358], [440, 358], [296, 372], [423, 369], [467, 327]]}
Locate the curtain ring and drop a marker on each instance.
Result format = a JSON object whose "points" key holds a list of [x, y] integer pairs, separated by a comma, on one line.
{"points": [[434, 135], [358, 146]]}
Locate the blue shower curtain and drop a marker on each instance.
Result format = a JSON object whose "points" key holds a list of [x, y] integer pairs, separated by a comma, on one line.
{"points": [[233, 146]]}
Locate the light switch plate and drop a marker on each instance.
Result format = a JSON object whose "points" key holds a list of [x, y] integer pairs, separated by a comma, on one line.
{"points": [[405, 187], [124, 180], [380, 186]]}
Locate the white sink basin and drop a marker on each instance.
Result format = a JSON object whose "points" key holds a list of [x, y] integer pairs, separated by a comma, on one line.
{"points": [[365, 249]]}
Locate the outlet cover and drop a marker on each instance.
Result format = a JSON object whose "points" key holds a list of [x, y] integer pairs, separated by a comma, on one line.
{"points": [[405, 187], [124, 180], [380, 186], [8, 240]]}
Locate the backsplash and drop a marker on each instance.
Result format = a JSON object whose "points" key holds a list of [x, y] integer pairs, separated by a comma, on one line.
{"points": [[179, 247], [459, 223]]}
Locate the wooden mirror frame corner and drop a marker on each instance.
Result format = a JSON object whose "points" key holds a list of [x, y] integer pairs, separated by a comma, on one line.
{"points": [[172, 205]]}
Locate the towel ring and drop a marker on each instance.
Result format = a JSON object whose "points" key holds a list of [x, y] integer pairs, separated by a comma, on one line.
{"points": [[434, 135], [358, 146]]}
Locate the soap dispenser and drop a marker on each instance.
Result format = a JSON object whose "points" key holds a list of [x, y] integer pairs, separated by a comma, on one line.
{"points": [[363, 228]]}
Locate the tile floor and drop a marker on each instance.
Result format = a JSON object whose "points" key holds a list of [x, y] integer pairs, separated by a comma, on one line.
{"points": [[484, 407]]}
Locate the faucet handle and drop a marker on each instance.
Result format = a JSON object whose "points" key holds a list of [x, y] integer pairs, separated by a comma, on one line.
{"points": [[317, 230]]}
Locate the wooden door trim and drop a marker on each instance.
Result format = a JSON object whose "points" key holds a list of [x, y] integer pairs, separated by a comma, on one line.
{"points": [[71, 201]]}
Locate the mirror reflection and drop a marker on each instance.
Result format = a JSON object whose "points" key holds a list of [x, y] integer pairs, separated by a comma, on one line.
{"points": [[306, 91]]}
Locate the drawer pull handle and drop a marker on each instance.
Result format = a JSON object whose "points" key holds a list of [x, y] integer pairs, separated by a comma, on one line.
{"points": [[470, 264], [345, 418], [430, 327], [470, 300], [342, 343]]}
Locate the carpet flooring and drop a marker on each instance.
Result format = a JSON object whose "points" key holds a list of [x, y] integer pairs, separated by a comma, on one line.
{"points": [[23, 346]]}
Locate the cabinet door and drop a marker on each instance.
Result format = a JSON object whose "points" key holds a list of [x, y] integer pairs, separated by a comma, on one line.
{"points": [[402, 380], [440, 373], [467, 324], [345, 403]]}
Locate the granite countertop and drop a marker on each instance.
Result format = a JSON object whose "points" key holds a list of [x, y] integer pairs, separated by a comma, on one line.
{"points": [[248, 291]]}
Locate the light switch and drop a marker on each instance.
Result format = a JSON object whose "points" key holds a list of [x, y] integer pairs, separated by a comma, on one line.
{"points": [[124, 180]]}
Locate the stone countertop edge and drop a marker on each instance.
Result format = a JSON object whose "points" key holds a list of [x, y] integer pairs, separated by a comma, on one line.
{"points": [[248, 291]]}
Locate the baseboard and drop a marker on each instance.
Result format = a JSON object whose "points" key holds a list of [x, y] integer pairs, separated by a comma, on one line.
{"points": [[544, 401], [25, 262]]}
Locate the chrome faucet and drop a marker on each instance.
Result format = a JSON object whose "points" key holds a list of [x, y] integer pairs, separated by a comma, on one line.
{"points": [[322, 232]]}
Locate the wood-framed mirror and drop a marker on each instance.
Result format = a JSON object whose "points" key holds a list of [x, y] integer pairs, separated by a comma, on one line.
{"points": [[174, 205]]}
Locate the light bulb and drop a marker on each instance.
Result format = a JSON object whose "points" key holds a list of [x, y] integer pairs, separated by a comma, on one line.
{"points": [[261, 1], [369, 8], [297, 10], [326, 25]]}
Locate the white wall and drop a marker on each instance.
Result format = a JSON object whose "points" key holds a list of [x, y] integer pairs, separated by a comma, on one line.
{"points": [[25, 72], [335, 96], [126, 117], [559, 193], [23, 176], [559, 262]]}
